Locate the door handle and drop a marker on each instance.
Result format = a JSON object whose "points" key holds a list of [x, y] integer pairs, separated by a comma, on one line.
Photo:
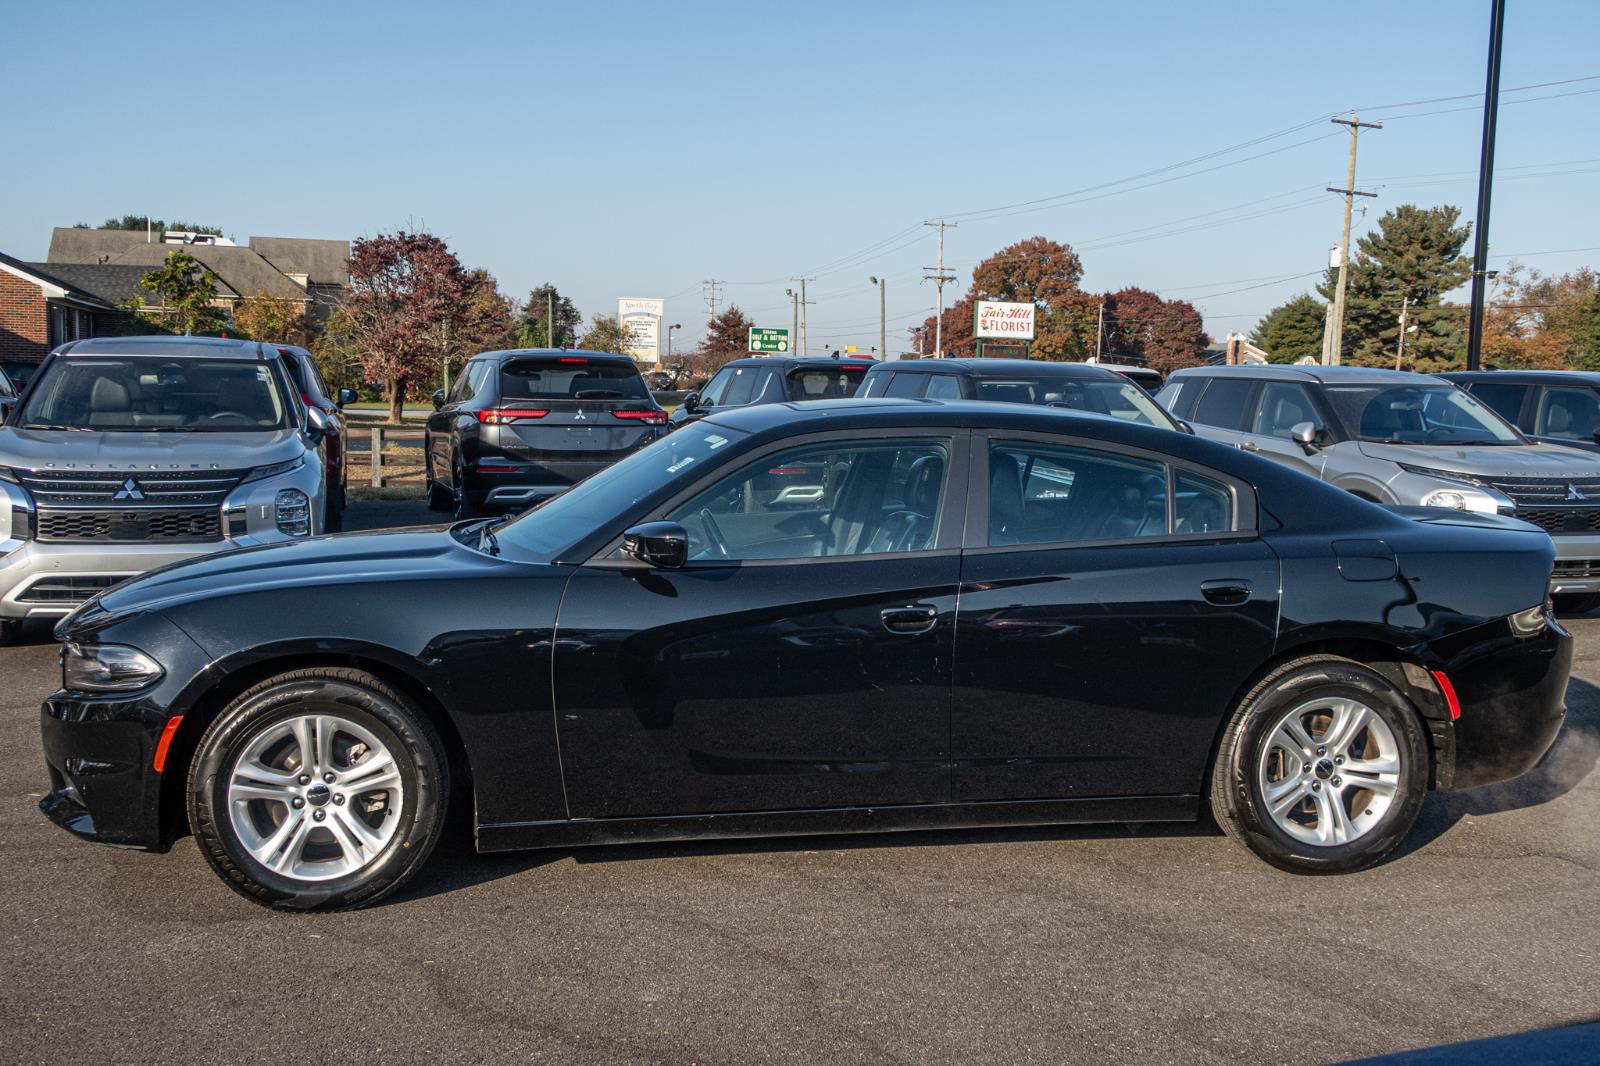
{"points": [[917, 618], [1247, 446], [1226, 591]]}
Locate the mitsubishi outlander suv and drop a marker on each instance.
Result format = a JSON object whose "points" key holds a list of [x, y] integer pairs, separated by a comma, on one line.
{"points": [[123, 454], [1402, 438]]}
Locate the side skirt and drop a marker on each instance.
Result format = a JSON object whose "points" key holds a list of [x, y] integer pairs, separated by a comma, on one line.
{"points": [[579, 832]]}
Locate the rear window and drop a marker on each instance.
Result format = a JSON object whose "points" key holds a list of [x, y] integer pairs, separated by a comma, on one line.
{"points": [[570, 377], [825, 382], [1223, 403]]}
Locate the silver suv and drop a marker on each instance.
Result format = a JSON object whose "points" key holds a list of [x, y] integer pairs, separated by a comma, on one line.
{"points": [[1401, 438], [124, 454]]}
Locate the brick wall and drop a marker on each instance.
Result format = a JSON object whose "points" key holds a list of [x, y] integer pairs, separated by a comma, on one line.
{"points": [[24, 321]]}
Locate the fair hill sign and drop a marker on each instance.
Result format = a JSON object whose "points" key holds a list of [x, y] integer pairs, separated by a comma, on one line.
{"points": [[998, 321]]}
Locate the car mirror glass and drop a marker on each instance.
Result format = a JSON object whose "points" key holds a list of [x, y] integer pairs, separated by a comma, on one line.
{"points": [[691, 401], [438, 399], [347, 395], [659, 544]]}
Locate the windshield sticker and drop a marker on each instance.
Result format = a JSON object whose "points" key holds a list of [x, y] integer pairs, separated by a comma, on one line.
{"points": [[680, 464], [715, 442]]}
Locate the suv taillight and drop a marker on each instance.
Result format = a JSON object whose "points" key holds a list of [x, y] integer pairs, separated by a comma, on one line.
{"points": [[649, 418], [500, 416]]}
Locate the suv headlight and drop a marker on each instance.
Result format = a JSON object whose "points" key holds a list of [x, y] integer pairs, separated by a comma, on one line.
{"points": [[8, 474], [292, 509], [107, 668], [1462, 499], [275, 469]]}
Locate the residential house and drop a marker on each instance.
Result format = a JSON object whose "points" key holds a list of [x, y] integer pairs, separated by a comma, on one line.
{"points": [[40, 309]]}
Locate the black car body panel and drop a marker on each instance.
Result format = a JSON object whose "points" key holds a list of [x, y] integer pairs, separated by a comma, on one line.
{"points": [[522, 425], [595, 699]]}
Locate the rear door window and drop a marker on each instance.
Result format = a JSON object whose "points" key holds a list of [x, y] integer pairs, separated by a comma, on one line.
{"points": [[1503, 399], [570, 377], [943, 387], [1223, 403], [907, 385], [1049, 494]]}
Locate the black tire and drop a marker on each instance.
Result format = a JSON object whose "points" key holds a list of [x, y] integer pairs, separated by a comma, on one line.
{"points": [[1576, 602], [1237, 801], [333, 511], [358, 698], [463, 498], [440, 497], [10, 631]]}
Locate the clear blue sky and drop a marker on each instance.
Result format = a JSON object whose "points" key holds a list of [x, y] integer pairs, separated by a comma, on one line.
{"points": [[637, 149]]}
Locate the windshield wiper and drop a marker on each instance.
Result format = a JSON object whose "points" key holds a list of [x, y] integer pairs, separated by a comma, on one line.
{"points": [[67, 429], [487, 541]]}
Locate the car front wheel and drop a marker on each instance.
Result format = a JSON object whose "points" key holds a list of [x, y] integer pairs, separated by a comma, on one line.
{"points": [[1322, 769], [318, 789]]}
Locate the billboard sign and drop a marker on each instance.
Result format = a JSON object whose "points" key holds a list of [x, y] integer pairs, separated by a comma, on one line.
{"points": [[641, 317], [768, 340], [994, 320]]}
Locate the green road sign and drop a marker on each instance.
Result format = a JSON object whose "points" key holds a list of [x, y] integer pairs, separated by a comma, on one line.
{"points": [[768, 340]]}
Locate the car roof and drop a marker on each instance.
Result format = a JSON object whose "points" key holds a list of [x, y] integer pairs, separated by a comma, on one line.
{"points": [[1280, 372], [1585, 377], [160, 345], [569, 353], [799, 416], [789, 362], [997, 367]]}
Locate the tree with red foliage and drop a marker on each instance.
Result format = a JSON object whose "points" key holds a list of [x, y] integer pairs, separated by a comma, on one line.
{"points": [[1164, 334], [404, 288], [1039, 271], [727, 337]]}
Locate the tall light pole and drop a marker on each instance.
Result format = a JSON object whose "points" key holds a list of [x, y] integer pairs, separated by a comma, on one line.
{"points": [[883, 323], [794, 308], [675, 325], [1480, 244]]}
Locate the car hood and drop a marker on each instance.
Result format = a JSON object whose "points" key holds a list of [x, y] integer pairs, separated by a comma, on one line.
{"points": [[144, 450], [1528, 460], [344, 559]]}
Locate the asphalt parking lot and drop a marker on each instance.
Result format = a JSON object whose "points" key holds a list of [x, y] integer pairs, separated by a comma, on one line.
{"points": [[1161, 944]]}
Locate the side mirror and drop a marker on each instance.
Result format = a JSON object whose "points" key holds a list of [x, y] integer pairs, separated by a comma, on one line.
{"points": [[1305, 434], [347, 395], [660, 544], [438, 399], [317, 422], [691, 402]]}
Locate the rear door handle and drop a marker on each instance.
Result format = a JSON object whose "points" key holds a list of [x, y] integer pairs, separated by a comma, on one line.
{"points": [[917, 618], [1247, 446], [1226, 591]]}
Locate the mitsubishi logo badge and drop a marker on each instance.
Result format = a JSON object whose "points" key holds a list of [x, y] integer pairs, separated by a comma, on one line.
{"points": [[130, 490], [580, 416], [1573, 493]]}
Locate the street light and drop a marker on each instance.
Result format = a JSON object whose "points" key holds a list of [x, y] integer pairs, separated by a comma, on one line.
{"points": [[883, 323], [675, 325]]}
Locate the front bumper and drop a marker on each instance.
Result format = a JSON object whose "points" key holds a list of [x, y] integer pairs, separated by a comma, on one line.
{"points": [[1512, 691], [1577, 566]]}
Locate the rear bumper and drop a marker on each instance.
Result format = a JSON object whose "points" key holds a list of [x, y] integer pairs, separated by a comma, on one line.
{"points": [[528, 484], [1512, 691]]}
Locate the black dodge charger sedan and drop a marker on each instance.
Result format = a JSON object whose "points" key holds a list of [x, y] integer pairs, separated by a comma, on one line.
{"points": [[986, 615]]}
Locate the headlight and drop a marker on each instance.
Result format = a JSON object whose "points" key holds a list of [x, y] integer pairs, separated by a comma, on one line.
{"points": [[275, 469], [107, 668], [293, 512], [8, 474], [1461, 500]]}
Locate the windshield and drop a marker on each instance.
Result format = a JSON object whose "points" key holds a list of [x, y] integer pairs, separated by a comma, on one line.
{"points": [[563, 521], [1114, 399], [1417, 414], [147, 393], [570, 377], [825, 382]]}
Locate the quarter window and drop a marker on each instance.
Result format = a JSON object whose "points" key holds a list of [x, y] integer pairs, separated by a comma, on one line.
{"points": [[1046, 493], [906, 385], [1504, 400], [944, 387], [1568, 413], [822, 500], [1201, 505]]}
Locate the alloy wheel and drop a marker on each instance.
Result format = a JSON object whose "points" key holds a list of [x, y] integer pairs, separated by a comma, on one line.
{"points": [[1329, 771], [315, 797]]}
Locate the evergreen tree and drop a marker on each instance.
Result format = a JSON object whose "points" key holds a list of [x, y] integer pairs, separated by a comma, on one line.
{"points": [[1292, 330]]}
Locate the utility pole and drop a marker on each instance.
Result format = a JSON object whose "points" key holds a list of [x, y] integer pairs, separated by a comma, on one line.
{"points": [[805, 348], [1349, 192], [550, 317], [1099, 330], [1480, 244], [939, 277], [711, 299], [1400, 352], [883, 323], [794, 318]]}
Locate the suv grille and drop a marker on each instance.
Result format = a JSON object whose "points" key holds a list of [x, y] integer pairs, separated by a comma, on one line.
{"points": [[1549, 502], [67, 589], [150, 487], [133, 524]]}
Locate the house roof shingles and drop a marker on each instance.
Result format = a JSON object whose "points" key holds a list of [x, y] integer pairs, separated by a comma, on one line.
{"points": [[50, 276], [242, 271]]}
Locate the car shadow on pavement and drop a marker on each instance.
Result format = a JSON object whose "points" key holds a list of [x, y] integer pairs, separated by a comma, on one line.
{"points": [[38, 631], [1571, 759]]}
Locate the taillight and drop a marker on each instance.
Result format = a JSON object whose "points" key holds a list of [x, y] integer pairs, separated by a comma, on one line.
{"points": [[500, 416], [848, 367], [574, 359], [649, 418], [790, 470]]}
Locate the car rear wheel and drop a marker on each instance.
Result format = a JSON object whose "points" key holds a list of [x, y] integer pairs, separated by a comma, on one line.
{"points": [[463, 502], [1576, 602], [1322, 769], [333, 513], [319, 789], [440, 497]]}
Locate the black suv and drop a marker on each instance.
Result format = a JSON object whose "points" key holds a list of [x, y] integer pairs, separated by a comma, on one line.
{"points": [[1551, 406], [520, 426], [774, 379], [1085, 387]]}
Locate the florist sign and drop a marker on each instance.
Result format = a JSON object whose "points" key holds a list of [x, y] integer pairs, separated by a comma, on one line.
{"points": [[1003, 321]]}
